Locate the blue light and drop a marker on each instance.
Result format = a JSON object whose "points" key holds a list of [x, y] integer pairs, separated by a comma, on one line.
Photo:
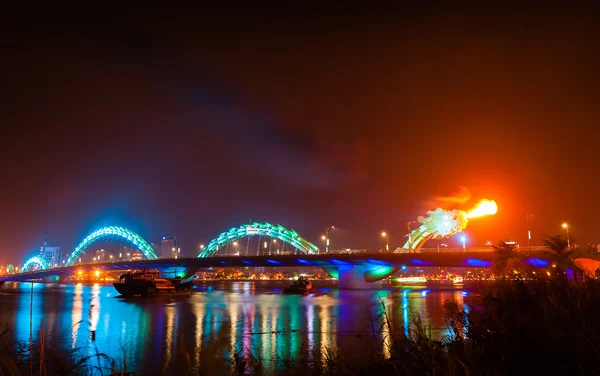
{"points": [[338, 262], [273, 262], [303, 261], [247, 262], [403, 267], [463, 239], [464, 293], [421, 262], [378, 262], [424, 292], [478, 263], [223, 262], [537, 263]]}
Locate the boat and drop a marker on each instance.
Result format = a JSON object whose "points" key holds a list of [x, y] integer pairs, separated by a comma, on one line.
{"points": [[458, 280], [144, 283], [300, 286], [409, 281]]}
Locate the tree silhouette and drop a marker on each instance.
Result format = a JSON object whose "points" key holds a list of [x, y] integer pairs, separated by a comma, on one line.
{"points": [[506, 258], [560, 255]]}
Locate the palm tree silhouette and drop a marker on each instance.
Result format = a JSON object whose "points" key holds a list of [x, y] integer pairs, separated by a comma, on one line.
{"points": [[560, 255], [506, 258]]}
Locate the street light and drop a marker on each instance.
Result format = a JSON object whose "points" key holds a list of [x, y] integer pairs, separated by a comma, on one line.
{"points": [[327, 238], [566, 226], [201, 246], [387, 240], [528, 234], [464, 241]]}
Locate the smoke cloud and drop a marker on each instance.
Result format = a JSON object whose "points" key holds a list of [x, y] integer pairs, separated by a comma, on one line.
{"points": [[459, 197]]}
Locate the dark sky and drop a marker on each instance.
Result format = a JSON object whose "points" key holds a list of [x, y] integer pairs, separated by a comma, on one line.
{"points": [[190, 120]]}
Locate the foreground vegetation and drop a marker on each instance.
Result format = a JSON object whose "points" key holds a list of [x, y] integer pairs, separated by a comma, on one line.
{"points": [[511, 329]]}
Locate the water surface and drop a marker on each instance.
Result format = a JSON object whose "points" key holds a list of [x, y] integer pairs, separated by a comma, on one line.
{"points": [[166, 335]]}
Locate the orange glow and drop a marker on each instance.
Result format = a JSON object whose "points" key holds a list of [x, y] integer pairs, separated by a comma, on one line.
{"points": [[484, 207]]}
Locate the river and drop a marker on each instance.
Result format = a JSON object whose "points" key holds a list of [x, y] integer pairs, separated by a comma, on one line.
{"points": [[163, 335]]}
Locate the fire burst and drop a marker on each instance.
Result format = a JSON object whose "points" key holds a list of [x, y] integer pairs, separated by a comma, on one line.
{"points": [[484, 207]]}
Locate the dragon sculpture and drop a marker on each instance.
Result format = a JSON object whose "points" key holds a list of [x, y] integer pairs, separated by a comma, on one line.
{"points": [[441, 223]]}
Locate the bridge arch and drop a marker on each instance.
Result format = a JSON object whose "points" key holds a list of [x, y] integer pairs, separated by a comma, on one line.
{"points": [[259, 229], [35, 260], [120, 232]]}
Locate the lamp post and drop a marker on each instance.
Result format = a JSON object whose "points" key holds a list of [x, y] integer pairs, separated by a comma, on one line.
{"points": [[528, 234], [387, 240], [566, 226], [464, 241], [327, 238]]}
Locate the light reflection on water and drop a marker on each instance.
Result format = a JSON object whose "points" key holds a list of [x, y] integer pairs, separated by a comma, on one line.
{"points": [[170, 334]]}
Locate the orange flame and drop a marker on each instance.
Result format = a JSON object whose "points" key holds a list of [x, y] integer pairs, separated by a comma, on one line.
{"points": [[484, 207]]}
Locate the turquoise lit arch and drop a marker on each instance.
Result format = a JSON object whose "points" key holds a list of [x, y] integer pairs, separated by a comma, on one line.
{"points": [[261, 229], [35, 260], [121, 232]]}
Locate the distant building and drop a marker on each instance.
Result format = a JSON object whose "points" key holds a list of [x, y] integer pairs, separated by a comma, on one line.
{"points": [[168, 247], [136, 255], [51, 254]]}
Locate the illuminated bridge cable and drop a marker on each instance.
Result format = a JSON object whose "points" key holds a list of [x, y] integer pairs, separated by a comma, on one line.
{"points": [[117, 232], [261, 230]]}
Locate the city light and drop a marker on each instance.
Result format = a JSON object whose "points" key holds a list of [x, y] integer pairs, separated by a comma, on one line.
{"points": [[97, 273]]}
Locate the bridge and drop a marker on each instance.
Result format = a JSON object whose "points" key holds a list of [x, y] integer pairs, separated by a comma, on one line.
{"points": [[353, 270]]}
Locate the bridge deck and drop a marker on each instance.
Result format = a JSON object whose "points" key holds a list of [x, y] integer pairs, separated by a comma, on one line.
{"points": [[455, 259]]}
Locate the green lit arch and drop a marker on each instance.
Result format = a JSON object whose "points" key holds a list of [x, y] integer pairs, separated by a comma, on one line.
{"points": [[261, 229], [121, 232], [35, 260]]}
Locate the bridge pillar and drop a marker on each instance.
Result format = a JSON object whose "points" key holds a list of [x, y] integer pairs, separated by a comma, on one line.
{"points": [[352, 277]]}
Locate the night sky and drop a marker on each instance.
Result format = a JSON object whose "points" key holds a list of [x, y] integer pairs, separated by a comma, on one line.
{"points": [[187, 121]]}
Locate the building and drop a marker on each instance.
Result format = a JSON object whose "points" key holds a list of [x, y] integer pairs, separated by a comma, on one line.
{"points": [[136, 255], [168, 247], [51, 254]]}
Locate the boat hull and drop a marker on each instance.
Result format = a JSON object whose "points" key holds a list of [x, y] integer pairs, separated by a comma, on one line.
{"points": [[290, 290], [137, 288]]}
